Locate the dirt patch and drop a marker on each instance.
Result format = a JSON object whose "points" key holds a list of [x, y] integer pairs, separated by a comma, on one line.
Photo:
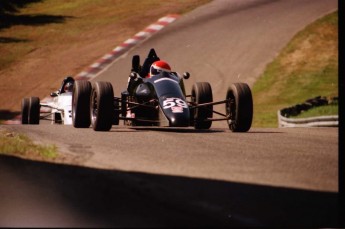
{"points": [[313, 52]]}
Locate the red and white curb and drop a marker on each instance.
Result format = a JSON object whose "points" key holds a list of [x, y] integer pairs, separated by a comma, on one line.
{"points": [[94, 69]]}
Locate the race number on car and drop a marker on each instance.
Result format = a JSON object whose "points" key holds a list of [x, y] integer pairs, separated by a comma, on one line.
{"points": [[175, 104]]}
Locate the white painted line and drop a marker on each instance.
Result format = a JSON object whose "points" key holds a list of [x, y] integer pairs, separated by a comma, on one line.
{"points": [[155, 27], [167, 19], [107, 56], [118, 49], [82, 74], [142, 34], [131, 41], [95, 65]]}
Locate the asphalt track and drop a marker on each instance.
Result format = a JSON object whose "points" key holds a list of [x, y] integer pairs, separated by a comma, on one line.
{"points": [[182, 177]]}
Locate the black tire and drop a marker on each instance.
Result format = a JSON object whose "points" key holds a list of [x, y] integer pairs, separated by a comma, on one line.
{"points": [[102, 106], [34, 110], [81, 104], [25, 111], [202, 93], [240, 107]]}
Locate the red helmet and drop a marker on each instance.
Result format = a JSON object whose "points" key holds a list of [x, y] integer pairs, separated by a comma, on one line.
{"points": [[159, 66]]}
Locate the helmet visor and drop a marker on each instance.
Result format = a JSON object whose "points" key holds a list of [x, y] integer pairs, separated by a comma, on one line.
{"points": [[154, 71]]}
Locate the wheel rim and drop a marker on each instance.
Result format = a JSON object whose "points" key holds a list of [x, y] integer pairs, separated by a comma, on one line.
{"points": [[73, 106], [231, 111]]}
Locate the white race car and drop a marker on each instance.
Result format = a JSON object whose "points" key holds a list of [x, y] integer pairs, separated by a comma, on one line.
{"points": [[58, 110]]}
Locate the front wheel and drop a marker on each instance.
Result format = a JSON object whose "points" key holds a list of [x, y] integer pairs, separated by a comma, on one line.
{"points": [[201, 93], [239, 107], [81, 104], [25, 111], [34, 110], [102, 106]]}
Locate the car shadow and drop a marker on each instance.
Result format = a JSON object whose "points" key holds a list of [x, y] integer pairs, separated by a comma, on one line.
{"points": [[12, 40], [176, 129], [189, 130], [8, 115], [46, 194]]}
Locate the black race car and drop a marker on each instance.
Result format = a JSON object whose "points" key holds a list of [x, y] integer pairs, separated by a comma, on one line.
{"points": [[160, 100]]}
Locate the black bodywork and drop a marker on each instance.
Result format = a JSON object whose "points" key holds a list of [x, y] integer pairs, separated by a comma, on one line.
{"points": [[158, 100]]}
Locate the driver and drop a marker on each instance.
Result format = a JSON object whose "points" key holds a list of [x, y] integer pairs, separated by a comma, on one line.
{"points": [[158, 67], [155, 68], [68, 87]]}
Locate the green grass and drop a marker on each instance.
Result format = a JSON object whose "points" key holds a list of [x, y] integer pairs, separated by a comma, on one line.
{"points": [[20, 144], [307, 67], [326, 110]]}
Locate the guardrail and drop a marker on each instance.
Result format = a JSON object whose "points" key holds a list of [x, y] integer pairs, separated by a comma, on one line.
{"points": [[284, 119], [320, 121]]}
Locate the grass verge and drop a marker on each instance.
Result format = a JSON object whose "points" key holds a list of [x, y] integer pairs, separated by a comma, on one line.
{"points": [[19, 144], [330, 109], [306, 67]]}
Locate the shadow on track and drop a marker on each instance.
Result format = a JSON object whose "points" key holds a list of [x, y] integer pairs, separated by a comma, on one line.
{"points": [[7, 114], [46, 194], [10, 16], [176, 129], [8, 20], [13, 6]]}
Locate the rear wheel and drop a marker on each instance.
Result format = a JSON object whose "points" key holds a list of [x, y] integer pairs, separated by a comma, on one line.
{"points": [[81, 104], [25, 111], [34, 110], [102, 106], [202, 93], [240, 107]]}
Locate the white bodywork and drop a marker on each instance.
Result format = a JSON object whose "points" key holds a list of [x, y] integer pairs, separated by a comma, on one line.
{"points": [[61, 108]]}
